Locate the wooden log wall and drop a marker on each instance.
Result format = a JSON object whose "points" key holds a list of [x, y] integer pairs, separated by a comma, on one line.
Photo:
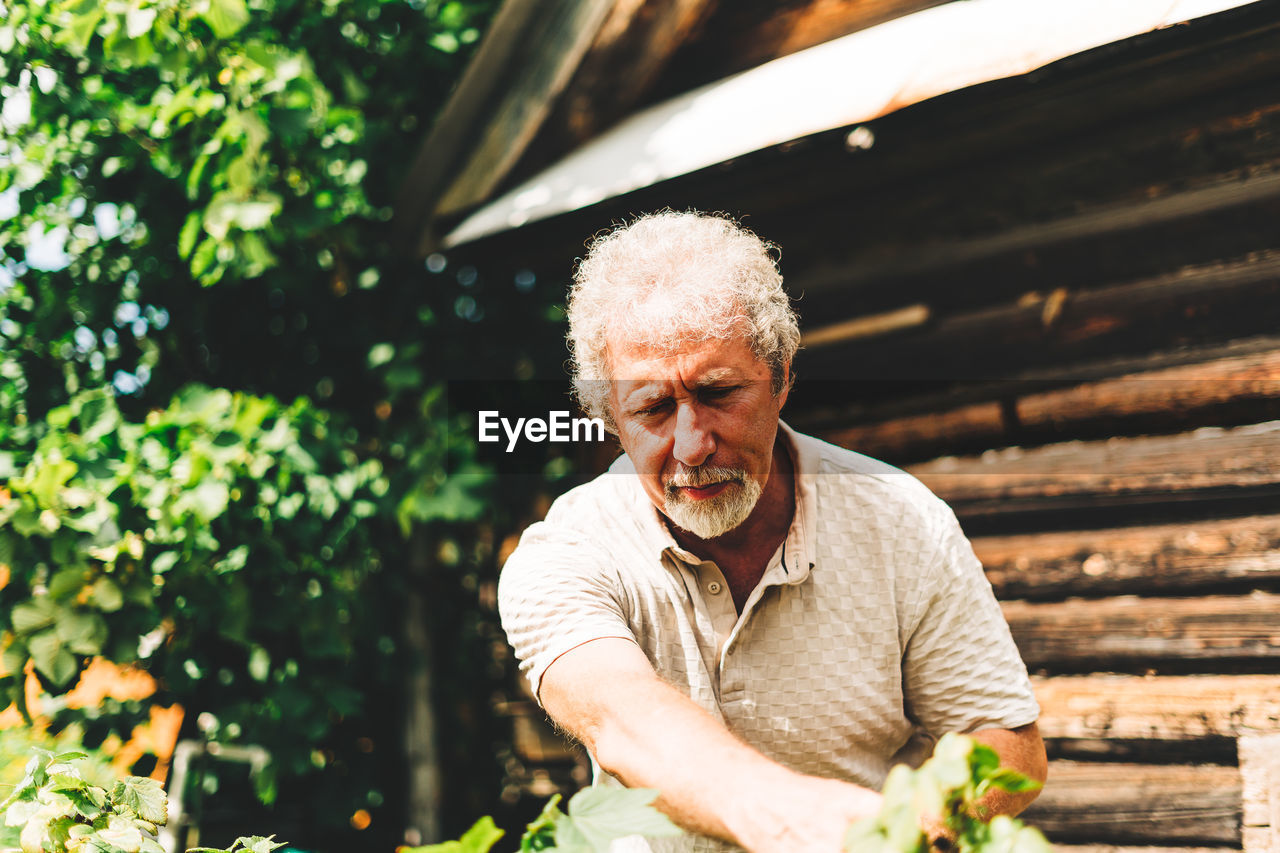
{"points": [[1091, 379], [1056, 300]]}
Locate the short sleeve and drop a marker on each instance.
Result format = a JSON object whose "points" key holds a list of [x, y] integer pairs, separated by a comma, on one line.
{"points": [[555, 593], [961, 670]]}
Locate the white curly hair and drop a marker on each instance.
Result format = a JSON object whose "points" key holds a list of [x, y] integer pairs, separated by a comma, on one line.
{"points": [[670, 279]]}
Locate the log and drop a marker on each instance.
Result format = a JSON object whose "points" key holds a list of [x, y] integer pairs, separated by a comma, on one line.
{"points": [[1195, 303], [1163, 558], [1141, 633], [1161, 708], [1139, 804], [1185, 395], [1195, 466], [1112, 848]]}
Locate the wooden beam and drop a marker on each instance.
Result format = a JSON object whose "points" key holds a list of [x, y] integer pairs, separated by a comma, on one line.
{"points": [[526, 59], [1149, 560], [1185, 394], [630, 51], [1161, 708], [1139, 804], [1112, 848], [1146, 632], [1117, 472], [1219, 300]]}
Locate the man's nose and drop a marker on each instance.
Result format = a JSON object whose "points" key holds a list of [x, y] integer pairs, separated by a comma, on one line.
{"points": [[694, 442]]}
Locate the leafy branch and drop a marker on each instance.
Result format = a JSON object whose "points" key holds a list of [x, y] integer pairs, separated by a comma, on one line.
{"points": [[948, 787]]}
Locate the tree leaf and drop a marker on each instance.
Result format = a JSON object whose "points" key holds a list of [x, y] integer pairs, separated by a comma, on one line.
{"points": [[144, 797], [106, 595], [138, 20], [226, 17], [33, 615], [52, 660], [82, 632]]}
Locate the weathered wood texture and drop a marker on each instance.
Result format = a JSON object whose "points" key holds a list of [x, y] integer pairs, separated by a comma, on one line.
{"points": [[1160, 400], [526, 59], [1260, 772], [1204, 302], [1162, 558], [1162, 708], [1112, 848], [629, 53], [1151, 470], [744, 33], [1139, 804], [1138, 633]]}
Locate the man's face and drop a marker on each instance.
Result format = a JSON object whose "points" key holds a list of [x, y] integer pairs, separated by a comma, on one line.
{"points": [[699, 425]]}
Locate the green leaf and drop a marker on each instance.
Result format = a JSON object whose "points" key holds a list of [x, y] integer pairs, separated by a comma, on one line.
{"points": [[480, 838], [121, 832], [1007, 779], [34, 615], [187, 237], [226, 17], [82, 632], [602, 815], [144, 797], [51, 474], [138, 20], [52, 660], [106, 595]]}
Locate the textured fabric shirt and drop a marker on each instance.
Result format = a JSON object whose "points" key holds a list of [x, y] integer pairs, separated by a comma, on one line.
{"points": [[872, 622]]}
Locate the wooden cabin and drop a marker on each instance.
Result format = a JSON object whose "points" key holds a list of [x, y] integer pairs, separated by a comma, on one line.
{"points": [[1036, 247]]}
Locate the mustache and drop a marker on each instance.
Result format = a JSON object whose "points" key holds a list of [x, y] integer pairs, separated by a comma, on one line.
{"points": [[703, 475]]}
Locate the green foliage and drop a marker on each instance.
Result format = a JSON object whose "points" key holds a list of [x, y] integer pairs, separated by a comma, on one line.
{"points": [[18, 745], [184, 530], [596, 817], [195, 204], [948, 787], [58, 811], [244, 844]]}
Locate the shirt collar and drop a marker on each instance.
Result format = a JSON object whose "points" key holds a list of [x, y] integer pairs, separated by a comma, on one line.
{"points": [[798, 547]]}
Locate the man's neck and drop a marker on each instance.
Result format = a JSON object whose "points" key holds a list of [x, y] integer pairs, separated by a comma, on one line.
{"points": [[744, 553]]}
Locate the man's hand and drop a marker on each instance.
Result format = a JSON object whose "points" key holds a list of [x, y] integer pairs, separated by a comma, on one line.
{"points": [[806, 814], [647, 734]]}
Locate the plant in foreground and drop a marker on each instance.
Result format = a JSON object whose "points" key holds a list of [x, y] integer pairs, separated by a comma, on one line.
{"points": [[60, 812], [948, 787]]}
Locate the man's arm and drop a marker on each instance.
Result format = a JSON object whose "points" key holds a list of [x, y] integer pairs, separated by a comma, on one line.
{"points": [[647, 734], [1020, 749]]}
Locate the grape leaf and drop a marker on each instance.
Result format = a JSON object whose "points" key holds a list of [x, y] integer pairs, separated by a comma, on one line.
{"points": [[598, 816], [144, 797]]}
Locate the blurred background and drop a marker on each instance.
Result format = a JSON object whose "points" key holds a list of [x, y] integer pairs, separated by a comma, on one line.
{"points": [[262, 262]]}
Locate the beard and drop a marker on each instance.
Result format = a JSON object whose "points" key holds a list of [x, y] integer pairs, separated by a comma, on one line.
{"points": [[708, 518]]}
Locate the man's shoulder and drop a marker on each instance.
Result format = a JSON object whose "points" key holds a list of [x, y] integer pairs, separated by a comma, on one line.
{"points": [[857, 473]]}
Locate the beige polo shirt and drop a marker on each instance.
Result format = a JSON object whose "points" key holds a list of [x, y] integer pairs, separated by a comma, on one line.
{"points": [[873, 618]]}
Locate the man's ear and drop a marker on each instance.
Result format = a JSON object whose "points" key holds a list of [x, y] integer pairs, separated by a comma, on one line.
{"points": [[787, 381]]}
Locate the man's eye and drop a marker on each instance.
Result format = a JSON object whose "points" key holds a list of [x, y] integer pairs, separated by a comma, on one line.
{"points": [[717, 392], [650, 411]]}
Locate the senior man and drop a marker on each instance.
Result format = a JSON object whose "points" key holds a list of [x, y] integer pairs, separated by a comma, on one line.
{"points": [[746, 618]]}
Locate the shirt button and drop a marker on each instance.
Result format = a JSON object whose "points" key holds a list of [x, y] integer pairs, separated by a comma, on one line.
{"points": [[714, 587]]}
